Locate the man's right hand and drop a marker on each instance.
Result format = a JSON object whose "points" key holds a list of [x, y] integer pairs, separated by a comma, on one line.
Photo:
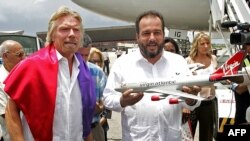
{"points": [[130, 98]]}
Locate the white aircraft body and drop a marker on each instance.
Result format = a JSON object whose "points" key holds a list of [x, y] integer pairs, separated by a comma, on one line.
{"points": [[173, 86], [178, 14]]}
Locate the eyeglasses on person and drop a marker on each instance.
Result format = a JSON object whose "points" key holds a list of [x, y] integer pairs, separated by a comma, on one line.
{"points": [[17, 54]]}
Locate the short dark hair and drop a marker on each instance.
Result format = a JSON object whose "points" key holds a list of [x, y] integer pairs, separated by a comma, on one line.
{"points": [[86, 40], [151, 13], [171, 40]]}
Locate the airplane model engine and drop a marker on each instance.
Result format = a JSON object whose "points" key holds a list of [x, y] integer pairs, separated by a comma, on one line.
{"points": [[171, 100]]}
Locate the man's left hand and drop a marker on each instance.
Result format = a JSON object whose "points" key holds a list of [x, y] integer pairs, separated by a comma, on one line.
{"points": [[194, 90]]}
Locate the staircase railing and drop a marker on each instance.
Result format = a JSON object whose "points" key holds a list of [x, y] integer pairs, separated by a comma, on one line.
{"points": [[238, 10]]}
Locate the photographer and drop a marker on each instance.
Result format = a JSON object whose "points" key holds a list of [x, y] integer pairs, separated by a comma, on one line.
{"points": [[242, 96]]}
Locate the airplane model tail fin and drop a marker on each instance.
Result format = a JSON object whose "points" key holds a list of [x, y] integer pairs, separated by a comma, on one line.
{"points": [[229, 68]]}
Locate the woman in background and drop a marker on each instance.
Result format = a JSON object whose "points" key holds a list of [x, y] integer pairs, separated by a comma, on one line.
{"points": [[171, 45], [97, 58], [201, 52]]}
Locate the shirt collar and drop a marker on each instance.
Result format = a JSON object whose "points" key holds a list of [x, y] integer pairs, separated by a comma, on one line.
{"points": [[59, 57], [139, 57]]}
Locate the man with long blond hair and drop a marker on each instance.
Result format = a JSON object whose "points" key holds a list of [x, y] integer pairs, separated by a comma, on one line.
{"points": [[52, 88]]}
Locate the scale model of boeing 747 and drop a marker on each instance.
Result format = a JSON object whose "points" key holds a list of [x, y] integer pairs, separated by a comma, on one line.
{"points": [[230, 69]]}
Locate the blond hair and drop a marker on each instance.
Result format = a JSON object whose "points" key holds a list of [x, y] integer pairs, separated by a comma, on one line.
{"points": [[97, 51], [61, 12], [194, 49]]}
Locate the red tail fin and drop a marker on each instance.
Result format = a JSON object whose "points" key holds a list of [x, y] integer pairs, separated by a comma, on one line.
{"points": [[230, 67]]}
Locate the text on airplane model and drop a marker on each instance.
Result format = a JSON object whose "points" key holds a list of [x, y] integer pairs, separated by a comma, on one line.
{"points": [[228, 68], [160, 83], [173, 87]]}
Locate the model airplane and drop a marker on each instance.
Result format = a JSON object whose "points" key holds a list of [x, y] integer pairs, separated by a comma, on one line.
{"points": [[230, 69]]}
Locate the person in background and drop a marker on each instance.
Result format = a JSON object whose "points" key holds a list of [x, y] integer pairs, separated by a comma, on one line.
{"points": [[12, 53], [201, 52], [106, 61], [171, 45], [118, 52], [96, 57], [99, 79], [143, 119], [242, 96], [52, 88]]}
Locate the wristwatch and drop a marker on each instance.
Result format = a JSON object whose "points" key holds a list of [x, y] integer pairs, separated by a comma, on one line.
{"points": [[233, 86]]}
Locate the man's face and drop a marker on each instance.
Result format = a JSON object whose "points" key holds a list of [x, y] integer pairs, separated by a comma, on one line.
{"points": [[84, 51], [151, 37], [67, 35], [13, 56]]}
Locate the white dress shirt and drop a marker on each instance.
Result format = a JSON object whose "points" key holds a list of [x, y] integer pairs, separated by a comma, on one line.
{"points": [[67, 124], [3, 102], [147, 120], [3, 96]]}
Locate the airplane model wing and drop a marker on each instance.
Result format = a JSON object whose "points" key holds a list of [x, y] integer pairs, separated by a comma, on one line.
{"points": [[195, 66], [179, 94]]}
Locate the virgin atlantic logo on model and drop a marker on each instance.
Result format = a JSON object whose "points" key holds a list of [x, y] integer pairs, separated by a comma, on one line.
{"points": [[229, 68]]}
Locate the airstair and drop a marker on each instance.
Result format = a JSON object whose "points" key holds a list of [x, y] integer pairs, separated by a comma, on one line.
{"points": [[238, 10], [229, 10]]}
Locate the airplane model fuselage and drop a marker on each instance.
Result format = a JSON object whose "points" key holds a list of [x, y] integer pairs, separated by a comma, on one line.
{"points": [[174, 83], [178, 14]]}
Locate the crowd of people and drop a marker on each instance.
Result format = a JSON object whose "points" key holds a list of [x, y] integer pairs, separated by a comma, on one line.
{"points": [[70, 90]]}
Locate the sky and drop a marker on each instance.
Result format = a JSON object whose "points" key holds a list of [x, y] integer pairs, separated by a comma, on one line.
{"points": [[33, 15]]}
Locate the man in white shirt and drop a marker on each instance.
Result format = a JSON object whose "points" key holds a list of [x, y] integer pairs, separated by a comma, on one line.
{"points": [[143, 119], [12, 53]]}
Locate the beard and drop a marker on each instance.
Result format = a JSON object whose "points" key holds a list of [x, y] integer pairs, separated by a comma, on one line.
{"points": [[146, 53]]}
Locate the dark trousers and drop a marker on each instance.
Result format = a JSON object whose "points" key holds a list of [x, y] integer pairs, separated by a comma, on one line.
{"points": [[206, 115], [106, 67]]}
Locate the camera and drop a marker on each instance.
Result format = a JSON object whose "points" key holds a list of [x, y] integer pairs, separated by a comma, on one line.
{"points": [[241, 37]]}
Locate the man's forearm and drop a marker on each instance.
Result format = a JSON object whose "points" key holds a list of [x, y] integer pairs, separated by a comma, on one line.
{"points": [[13, 122], [241, 88]]}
